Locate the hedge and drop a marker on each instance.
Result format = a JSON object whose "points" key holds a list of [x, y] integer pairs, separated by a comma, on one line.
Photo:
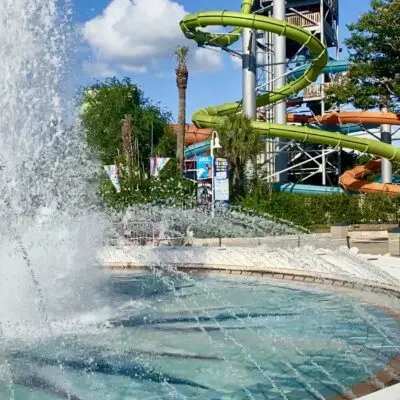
{"points": [[312, 210], [166, 191]]}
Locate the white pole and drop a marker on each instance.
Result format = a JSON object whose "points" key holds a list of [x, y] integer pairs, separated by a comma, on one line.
{"points": [[212, 176], [249, 73], [386, 165], [279, 11], [322, 29], [337, 58]]}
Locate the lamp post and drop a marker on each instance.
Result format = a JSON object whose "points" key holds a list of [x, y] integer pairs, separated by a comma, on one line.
{"points": [[215, 144]]}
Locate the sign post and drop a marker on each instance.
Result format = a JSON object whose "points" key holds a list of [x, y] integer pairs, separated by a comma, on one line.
{"points": [[221, 177], [214, 145]]}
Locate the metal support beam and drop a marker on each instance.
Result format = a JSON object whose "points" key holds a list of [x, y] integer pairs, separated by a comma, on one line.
{"points": [[249, 73], [268, 68], [279, 11], [322, 28], [299, 164], [386, 165]]}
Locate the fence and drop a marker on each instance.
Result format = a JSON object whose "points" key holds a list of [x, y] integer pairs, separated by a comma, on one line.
{"points": [[146, 233], [137, 234], [305, 20], [315, 91]]}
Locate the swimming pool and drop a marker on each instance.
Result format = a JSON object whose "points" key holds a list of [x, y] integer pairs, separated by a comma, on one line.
{"points": [[164, 335]]}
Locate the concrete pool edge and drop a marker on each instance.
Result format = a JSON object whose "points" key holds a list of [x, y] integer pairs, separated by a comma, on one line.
{"points": [[282, 275]]}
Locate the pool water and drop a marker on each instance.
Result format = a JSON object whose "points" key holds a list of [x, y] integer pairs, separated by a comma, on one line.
{"points": [[172, 336]]}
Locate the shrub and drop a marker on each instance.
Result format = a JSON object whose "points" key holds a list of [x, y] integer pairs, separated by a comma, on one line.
{"points": [[312, 210], [170, 189]]}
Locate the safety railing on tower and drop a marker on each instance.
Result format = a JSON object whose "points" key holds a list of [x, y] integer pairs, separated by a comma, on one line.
{"points": [[305, 20]]}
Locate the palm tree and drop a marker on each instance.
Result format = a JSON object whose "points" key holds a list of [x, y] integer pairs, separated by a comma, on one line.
{"points": [[182, 76], [126, 133], [241, 145]]}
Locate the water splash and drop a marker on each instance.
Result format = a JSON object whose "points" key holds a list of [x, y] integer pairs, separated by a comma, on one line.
{"points": [[229, 223], [50, 222]]}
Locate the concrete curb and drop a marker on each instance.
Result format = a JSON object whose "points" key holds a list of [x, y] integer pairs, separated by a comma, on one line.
{"points": [[279, 274]]}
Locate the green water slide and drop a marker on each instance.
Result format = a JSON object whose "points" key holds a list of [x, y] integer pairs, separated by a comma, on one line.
{"points": [[192, 26]]}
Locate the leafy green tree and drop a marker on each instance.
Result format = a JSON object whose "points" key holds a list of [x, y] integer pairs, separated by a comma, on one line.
{"points": [[166, 146], [374, 45], [103, 108], [241, 145]]}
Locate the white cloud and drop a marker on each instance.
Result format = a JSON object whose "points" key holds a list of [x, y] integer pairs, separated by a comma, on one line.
{"points": [[136, 35], [204, 60], [237, 62]]}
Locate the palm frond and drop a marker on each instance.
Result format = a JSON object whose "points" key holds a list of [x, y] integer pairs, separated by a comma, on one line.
{"points": [[181, 53]]}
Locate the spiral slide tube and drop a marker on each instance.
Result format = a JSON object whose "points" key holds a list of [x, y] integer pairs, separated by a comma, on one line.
{"points": [[199, 147], [343, 118], [333, 67], [191, 26], [353, 180]]}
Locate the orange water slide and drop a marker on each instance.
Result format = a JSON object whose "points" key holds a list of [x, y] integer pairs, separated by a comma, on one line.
{"points": [[342, 118], [193, 134], [353, 180]]}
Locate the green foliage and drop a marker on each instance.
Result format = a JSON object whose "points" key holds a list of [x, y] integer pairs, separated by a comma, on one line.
{"points": [[105, 104], [320, 210], [181, 54], [374, 45], [170, 189], [166, 146], [364, 159], [241, 145]]}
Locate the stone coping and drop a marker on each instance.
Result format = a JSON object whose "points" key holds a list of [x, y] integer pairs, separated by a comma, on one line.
{"points": [[280, 274], [288, 239], [389, 393]]}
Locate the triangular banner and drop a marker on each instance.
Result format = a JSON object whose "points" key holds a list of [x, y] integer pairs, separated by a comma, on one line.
{"points": [[112, 172], [157, 164]]}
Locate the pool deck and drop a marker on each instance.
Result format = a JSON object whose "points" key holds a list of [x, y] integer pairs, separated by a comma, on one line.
{"points": [[390, 393], [330, 266], [313, 260]]}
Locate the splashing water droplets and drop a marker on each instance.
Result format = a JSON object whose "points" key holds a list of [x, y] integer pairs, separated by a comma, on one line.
{"points": [[50, 226], [172, 335]]}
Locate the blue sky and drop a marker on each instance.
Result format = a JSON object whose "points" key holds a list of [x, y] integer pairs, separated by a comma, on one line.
{"points": [[129, 38]]}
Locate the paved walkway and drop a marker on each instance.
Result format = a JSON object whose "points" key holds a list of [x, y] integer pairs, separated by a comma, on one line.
{"points": [[369, 242], [390, 393], [376, 247]]}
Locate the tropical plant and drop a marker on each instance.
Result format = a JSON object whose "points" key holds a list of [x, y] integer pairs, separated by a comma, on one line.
{"points": [[182, 77], [109, 106], [241, 145], [311, 211], [170, 189], [166, 146], [373, 78]]}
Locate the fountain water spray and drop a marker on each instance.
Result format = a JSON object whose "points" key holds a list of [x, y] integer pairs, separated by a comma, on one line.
{"points": [[50, 224], [50, 230]]}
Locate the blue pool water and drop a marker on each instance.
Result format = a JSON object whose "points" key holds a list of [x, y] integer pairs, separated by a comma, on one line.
{"points": [[164, 336]]}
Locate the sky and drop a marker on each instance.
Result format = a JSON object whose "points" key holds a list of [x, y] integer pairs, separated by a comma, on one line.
{"points": [[137, 38]]}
